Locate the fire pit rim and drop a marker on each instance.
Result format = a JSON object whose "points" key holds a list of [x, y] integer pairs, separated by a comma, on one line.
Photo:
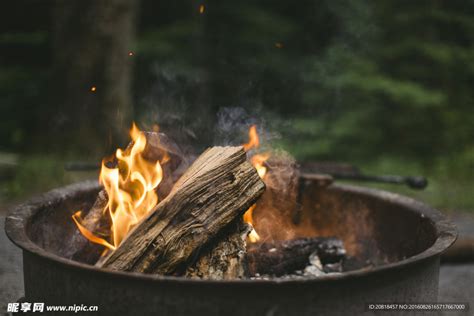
{"points": [[17, 220]]}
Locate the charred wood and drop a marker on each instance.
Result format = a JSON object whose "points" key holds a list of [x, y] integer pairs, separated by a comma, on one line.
{"points": [[225, 259], [285, 257]]}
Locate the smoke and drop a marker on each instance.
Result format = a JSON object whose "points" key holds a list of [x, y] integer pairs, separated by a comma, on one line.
{"points": [[273, 216], [178, 102], [233, 124], [274, 211]]}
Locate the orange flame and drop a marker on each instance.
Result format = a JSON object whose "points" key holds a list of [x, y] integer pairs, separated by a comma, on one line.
{"points": [[254, 141], [257, 161], [88, 234], [130, 187]]}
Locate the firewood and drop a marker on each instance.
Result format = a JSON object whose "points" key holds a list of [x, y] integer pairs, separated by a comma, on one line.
{"points": [[225, 260], [285, 257], [218, 187]]}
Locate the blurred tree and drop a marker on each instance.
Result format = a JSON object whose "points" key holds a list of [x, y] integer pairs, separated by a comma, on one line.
{"points": [[90, 91], [395, 80], [24, 64]]}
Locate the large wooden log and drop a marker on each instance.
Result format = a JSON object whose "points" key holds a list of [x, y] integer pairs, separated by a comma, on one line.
{"points": [[218, 187], [285, 257], [224, 259]]}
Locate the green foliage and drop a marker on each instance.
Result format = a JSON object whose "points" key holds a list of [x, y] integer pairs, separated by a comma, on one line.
{"points": [[399, 87]]}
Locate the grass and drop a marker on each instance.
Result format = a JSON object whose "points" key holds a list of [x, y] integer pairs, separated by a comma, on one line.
{"points": [[34, 174]]}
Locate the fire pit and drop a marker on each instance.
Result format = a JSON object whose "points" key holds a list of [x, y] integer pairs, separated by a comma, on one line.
{"points": [[399, 240]]}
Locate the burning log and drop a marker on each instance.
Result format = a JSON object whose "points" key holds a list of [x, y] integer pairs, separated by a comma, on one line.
{"points": [[218, 187], [226, 259], [285, 257], [158, 147]]}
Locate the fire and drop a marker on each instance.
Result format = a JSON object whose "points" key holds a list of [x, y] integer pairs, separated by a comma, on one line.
{"points": [[257, 161], [254, 141], [130, 186]]}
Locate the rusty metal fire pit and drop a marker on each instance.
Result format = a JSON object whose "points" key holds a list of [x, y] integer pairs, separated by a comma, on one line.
{"points": [[400, 237]]}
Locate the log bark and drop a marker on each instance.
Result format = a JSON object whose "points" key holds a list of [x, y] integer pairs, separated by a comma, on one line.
{"points": [[218, 187], [285, 257], [224, 260]]}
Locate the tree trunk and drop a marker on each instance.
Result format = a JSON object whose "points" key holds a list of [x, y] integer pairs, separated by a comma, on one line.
{"points": [[91, 98]]}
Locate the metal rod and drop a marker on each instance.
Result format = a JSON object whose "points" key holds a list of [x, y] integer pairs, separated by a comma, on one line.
{"points": [[414, 182]]}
